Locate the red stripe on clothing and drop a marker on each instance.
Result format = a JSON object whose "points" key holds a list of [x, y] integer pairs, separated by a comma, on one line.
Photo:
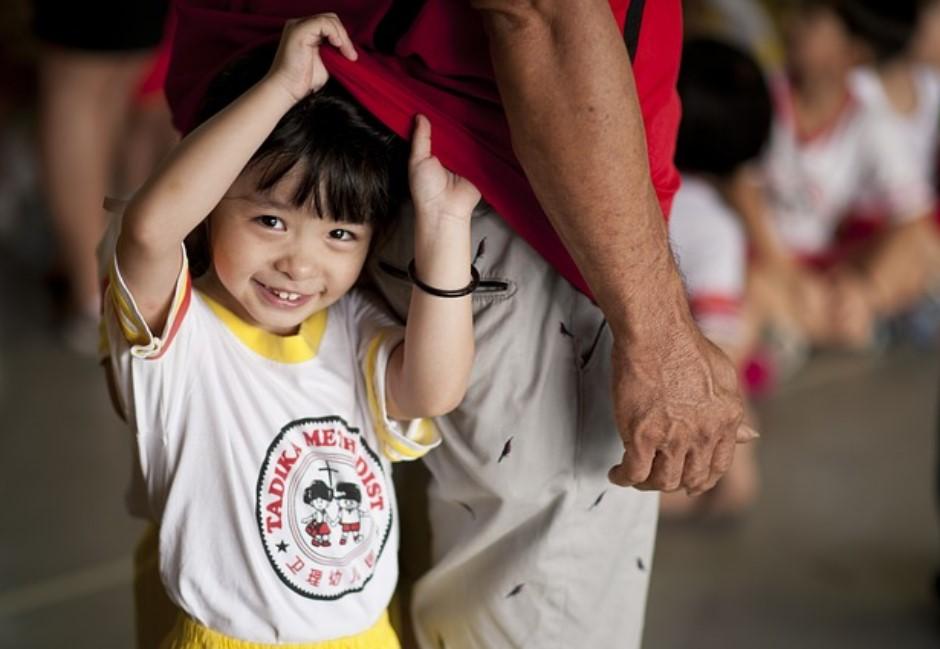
{"points": [[782, 93], [178, 319], [715, 304]]}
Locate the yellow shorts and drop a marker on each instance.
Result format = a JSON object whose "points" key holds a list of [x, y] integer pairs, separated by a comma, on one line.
{"points": [[189, 634], [155, 613], [161, 624]]}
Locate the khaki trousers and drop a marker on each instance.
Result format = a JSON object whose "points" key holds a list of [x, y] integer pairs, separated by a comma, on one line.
{"points": [[530, 545]]}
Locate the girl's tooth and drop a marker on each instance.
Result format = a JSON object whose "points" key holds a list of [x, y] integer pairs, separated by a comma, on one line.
{"points": [[285, 295]]}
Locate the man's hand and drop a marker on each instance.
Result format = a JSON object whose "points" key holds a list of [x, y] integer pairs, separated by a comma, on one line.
{"points": [[679, 410]]}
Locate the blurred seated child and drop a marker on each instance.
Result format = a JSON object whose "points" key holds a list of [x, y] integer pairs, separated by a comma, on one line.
{"points": [[897, 83], [903, 80], [828, 148], [726, 122]]}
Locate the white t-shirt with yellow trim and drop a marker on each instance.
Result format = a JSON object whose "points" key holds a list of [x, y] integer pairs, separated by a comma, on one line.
{"points": [[266, 461]]}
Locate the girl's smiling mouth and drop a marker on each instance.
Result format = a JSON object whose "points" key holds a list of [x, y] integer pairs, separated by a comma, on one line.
{"points": [[279, 297]]}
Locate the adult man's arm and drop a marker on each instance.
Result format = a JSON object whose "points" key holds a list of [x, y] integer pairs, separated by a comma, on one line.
{"points": [[569, 95]]}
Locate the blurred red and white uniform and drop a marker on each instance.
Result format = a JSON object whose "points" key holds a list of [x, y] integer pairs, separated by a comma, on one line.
{"points": [[918, 127], [709, 243], [813, 180]]}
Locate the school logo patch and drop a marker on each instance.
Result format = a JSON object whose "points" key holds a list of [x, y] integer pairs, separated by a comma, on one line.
{"points": [[323, 506]]}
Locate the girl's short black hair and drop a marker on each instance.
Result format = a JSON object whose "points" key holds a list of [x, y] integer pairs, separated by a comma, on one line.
{"points": [[353, 164], [885, 26], [352, 167], [726, 108]]}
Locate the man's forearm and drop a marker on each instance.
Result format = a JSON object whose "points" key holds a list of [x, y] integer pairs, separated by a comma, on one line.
{"points": [[569, 96]]}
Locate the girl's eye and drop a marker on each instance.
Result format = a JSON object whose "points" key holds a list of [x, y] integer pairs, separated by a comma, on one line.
{"points": [[271, 222], [342, 235]]}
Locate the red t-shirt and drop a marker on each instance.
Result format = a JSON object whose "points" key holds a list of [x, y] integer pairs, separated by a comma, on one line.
{"points": [[440, 67]]}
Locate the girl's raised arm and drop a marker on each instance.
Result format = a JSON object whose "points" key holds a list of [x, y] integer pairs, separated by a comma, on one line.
{"points": [[428, 374]]}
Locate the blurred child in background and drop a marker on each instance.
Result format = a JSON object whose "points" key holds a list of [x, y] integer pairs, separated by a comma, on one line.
{"points": [[902, 82], [725, 125], [897, 83], [828, 146]]}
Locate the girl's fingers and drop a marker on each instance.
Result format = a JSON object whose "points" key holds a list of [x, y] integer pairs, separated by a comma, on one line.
{"points": [[336, 34], [329, 27], [421, 140], [345, 45]]}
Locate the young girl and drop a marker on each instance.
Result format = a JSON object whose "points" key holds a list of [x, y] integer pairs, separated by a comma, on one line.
{"points": [[266, 392]]}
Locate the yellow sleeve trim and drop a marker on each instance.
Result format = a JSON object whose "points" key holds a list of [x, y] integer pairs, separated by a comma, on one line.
{"points": [[144, 343], [422, 434], [132, 326]]}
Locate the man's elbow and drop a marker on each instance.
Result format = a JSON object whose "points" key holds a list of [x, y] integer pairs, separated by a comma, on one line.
{"points": [[511, 16]]}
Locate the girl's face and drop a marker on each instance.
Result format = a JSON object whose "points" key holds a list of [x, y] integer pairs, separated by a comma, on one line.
{"points": [[926, 45], [818, 44], [275, 265]]}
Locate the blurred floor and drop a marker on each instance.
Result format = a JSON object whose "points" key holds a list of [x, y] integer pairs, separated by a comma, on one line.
{"points": [[65, 568], [839, 552], [842, 548]]}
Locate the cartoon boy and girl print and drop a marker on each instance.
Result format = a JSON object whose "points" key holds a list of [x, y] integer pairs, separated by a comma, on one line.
{"points": [[349, 513]]}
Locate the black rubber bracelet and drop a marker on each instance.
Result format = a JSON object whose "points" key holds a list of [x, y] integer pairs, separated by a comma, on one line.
{"points": [[441, 292]]}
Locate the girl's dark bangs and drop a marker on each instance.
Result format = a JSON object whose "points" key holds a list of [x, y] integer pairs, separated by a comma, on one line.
{"points": [[345, 192]]}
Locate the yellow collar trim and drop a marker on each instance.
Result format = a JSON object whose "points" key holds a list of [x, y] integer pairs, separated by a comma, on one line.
{"points": [[297, 348]]}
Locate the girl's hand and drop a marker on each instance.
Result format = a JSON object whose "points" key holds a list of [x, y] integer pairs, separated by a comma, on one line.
{"points": [[436, 191], [297, 64]]}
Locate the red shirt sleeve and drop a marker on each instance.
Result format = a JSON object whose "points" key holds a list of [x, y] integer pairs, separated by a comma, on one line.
{"points": [[656, 70]]}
